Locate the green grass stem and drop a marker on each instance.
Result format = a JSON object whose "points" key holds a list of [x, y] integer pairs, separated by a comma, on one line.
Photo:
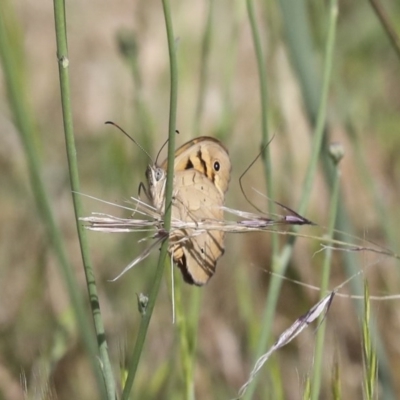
{"points": [[336, 381], [350, 266], [296, 25], [369, 356], [190, 324], [203, 75], [129, 46], [188, 320], [387, 25], [10, 43], [145, 321], [63, 68], [370, 183], [326, 268], [262, 74], [300, 46], [281, 262], [186, 336]]}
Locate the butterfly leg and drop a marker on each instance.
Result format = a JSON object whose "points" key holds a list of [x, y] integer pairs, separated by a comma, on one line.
{"points": [[143, 187]]}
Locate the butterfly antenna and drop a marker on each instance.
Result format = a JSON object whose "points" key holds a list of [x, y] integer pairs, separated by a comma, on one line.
{"points": [[159, 152], [247, 169], [131, 138]]}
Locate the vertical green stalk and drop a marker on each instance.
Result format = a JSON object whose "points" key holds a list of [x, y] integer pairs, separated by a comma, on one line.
{"points": [[63, 63], [373, 187], [203, 76], [262, 74], [144, 323], [336, 381], [302, 56], [186, 336], [388, 26], [130, 48], [10, 43], [321, 117], [188, 323], [301, 50], [188, 326], [281, 264], [369, 354], [336, 153]]}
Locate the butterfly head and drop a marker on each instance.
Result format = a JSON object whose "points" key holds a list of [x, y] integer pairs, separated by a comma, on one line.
{"points": [[156, 178]]}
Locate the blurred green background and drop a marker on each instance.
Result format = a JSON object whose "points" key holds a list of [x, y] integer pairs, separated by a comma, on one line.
{"points": [[119, 69]]}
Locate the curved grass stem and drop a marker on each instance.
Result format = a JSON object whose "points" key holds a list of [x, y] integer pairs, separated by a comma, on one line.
{"points": [[145, 321], [10, 44], [262, 74], [63, 64], [280, 263], [319, 349]]}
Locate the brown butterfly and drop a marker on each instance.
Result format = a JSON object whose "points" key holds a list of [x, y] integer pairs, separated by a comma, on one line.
{"points": [[201, 177]]}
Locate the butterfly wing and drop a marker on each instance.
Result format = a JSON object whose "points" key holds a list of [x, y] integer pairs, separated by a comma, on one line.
{"points": [[201, 177], [196, 199]]}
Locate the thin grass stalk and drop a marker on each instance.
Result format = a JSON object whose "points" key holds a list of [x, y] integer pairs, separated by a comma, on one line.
{"points": [[387, 25], [278, 380], [369, 356], [15, 81], [185, 344], [301, 50], [321, 116], [300, 46], [191, 322], [335, 381], [203, 75], [129, 46], [262, 74], [336, 153], [227, 119], [63, 64], [144, 323], [351, 267], [189, 325], [363, 169], [245, 303], [373, 188], [296, 26], [281, 264], [307, 388]]}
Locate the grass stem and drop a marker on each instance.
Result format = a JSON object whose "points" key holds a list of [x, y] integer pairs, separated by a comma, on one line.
{"points": [[63, 68], [145, 321], [13, 67], [280, 264], [319, 347]]}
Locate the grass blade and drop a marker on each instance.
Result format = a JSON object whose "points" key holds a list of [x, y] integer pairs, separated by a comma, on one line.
{"points": [[145, 321]]}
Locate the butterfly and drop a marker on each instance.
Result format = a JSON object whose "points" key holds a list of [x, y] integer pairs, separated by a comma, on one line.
{"points": [[202, 170]]}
